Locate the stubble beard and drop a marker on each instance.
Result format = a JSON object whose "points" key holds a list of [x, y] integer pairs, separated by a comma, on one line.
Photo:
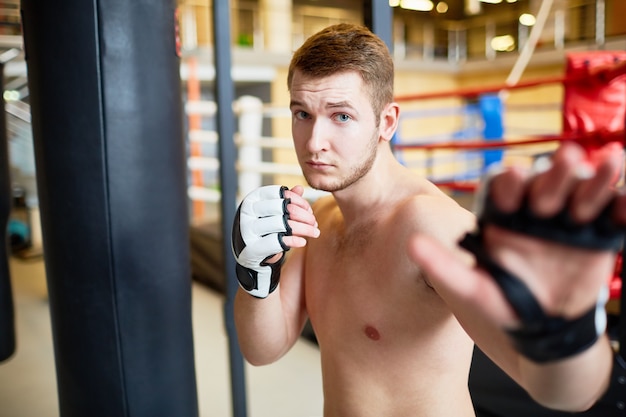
{"points": [[356, 173]]}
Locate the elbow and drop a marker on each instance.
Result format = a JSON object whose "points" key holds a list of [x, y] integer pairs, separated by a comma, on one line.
{"points": [[254, 361], [569, 403], [582, 407], [575, 385], [578, 406], [256, 358], [259, 351]]}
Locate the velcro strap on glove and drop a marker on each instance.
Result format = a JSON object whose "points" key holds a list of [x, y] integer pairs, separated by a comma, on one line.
{"points": [[600, 234], [541, 338], [259, 226]]}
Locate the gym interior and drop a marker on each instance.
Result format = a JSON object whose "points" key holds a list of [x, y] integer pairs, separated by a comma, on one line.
{"points": [[92, 225]]}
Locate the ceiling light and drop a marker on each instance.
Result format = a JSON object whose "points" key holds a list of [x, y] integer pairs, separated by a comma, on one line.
{"points": [[419, 5], [11, 95], [492, 1], [442, 7], [394, 3], [472, 7], [527, 19], [504, 43]]}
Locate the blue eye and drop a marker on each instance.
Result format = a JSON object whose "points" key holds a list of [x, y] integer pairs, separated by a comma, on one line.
{"points": [[343, 117], [301, 115]]}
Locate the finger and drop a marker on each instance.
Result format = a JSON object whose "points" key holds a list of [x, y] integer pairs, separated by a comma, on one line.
{"points": [[298, 200], [294, 241], [549, 190], [454, 278], [303, 229], [301, 215], [592, 195], [261, 248], [507, 189], [614, 153], [266, 225], [298, 189], [265, 208], [619, 209]]}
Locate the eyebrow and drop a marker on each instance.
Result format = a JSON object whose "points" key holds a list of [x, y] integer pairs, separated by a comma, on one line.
{"points": [[295, 103], [340, 104]]}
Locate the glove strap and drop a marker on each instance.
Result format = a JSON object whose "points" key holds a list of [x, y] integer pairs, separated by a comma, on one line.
{"points": [[541, 338], [600, 234], [248, 278]]}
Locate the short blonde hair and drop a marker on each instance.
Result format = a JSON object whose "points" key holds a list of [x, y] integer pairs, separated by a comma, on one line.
{"points": [[343, 48]]}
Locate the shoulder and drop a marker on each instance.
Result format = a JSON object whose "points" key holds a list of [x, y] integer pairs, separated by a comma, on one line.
{"points": [[436, 214]]}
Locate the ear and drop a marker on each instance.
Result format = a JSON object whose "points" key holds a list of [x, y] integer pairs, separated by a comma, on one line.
{"points": [[389, 119]]}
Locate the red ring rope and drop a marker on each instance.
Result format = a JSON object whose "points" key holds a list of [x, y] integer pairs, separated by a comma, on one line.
{"points": [[604, 74], [588, 138]]}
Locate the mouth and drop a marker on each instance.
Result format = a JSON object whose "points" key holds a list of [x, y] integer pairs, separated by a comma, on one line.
{"points": [[318, 165]]}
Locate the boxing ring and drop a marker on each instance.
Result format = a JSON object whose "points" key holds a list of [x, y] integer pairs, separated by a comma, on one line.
{"points": [[453, 160]]}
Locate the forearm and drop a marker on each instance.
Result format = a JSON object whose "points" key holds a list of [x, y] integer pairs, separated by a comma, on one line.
{"points": [[262, 328], [269, 317], [573, 384]]}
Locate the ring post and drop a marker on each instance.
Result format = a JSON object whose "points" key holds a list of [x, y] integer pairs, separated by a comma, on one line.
{"points": [[106, 106], [491, 111], [7, 314], [250, 152], [224, 94], [378, 16]]}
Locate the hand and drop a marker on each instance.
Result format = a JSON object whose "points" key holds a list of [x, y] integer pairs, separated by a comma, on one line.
{"points": [[269, 221], [565, 280], [301, 219]]}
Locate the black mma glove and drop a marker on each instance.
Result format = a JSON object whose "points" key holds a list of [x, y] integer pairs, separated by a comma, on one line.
{"points": [[258, 228], [544, 338]]}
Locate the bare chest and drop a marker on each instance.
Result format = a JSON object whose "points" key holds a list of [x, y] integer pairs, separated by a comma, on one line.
{"points": [[381, 329], [365, 289]]}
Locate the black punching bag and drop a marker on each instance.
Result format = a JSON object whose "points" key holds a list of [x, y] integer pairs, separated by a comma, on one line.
{"points": [[108, 133], [7, 319]]}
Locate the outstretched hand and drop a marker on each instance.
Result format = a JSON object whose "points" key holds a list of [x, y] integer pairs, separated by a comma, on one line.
{"points": [[566, 280]]}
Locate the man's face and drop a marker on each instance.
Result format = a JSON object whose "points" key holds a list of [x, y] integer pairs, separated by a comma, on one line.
{"points": [[334, 129]]}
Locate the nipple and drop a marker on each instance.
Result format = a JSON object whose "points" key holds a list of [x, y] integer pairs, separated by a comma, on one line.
{"points": [[372, 333]]}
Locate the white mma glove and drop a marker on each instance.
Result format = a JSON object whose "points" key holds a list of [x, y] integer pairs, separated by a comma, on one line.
{"points": [[258, 228]]}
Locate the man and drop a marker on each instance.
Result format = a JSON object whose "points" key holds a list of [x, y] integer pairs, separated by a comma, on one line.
{"points": [[396, 305]]}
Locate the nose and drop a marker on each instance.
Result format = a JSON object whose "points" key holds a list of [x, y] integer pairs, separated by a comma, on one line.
{"points": [[317, 141]]}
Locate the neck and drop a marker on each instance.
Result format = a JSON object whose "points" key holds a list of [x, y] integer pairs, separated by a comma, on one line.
{"points": [[375, 191]]}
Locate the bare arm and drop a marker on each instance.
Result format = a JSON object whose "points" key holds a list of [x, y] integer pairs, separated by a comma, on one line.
{"points": [[565, 280], [573, 384], [268, 327]]}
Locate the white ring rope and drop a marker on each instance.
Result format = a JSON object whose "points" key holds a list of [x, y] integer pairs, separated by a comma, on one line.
{"points": [[529, 47], [437, 165]]}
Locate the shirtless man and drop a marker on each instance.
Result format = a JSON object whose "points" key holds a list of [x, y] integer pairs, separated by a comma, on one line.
{"points": [[396, 305]]}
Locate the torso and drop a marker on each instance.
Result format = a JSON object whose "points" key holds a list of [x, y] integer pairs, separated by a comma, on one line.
{"points": [[389, 345]]}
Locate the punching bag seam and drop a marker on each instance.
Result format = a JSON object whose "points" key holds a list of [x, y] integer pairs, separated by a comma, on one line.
{"points": [[107, 197]]}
